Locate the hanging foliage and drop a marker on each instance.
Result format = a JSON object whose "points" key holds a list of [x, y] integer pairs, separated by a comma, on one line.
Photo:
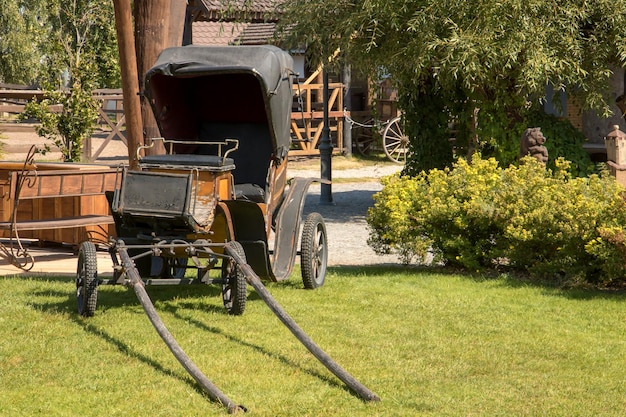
{"points": [[495, 57]]}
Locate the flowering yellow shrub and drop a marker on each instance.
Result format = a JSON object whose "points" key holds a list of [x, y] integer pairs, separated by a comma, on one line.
{"points": [[478, 215]]}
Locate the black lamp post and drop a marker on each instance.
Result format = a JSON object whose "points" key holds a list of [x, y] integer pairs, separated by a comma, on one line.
{"points": [[326, 149]]}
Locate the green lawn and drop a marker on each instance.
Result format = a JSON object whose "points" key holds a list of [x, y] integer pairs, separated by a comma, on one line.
{"points": [[429, 344]]}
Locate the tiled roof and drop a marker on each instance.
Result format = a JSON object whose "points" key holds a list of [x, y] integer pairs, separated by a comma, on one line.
{"points": [[216, 33], [253, 5], [257, 34], [246, 10], [225, 33]]}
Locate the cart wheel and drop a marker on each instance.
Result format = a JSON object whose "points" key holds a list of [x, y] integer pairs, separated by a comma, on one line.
{"points": [[313, 251], [87, 279], [395, 143], [363, 138], [234, 288]]}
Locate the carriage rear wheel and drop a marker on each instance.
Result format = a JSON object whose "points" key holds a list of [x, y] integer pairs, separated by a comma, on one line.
{"points": [[87, 279], [234, 287], [395, 142], [313, 251]]}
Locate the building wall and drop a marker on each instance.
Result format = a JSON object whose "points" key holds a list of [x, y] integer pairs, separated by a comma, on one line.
{"points": [[594, 127]]}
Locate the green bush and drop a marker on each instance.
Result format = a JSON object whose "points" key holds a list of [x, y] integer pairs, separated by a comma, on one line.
{"points": [[527, 217], [77, 119], [66, 129]]}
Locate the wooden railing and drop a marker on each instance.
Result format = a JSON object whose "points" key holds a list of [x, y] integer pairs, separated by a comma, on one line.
{"points": [[307, 118], [12, 102], [111, 120]]}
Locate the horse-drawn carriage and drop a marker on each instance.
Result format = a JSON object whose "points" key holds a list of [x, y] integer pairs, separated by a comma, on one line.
{"points": [[207, 209], [220, 188]]}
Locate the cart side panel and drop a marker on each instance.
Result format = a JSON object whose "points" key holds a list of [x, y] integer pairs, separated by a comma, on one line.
{"points": [[155, 194], [152, 202], [59, 191]]}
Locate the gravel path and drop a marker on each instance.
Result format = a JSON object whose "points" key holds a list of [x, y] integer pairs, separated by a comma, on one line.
{"points": [[345, 223], [345, 218]]}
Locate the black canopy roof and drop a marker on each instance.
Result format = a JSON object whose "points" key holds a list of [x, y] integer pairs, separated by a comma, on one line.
{"points": [[193, 85]]}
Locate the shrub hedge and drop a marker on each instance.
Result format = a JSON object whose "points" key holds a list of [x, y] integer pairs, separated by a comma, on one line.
{"points": [[478, 215]]}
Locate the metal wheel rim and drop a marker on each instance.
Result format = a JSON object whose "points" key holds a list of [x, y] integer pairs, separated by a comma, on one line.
{"points": [[234, 285], [314, 251], [319, 254]]}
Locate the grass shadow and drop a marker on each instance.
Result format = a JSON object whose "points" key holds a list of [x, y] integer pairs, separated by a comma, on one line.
{"points": [[111, 297], [565, 290], [175, 311], [381, 270], [69, 306], [169, 300], [126, 350]]}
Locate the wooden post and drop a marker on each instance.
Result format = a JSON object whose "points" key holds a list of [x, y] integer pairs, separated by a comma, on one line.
{"points": [[158, 25], [326, 148], [178, 12], [130, 85], [347, 104], [151, 23]]}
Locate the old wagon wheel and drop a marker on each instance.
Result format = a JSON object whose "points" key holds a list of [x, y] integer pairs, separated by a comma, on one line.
{"points": [[363, 137], [313, 251], [234, 287], [87, 279], [395, 142]]}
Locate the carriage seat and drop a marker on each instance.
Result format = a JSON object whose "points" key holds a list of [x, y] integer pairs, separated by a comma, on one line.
{"points": [[252, 157], [188, 161]]}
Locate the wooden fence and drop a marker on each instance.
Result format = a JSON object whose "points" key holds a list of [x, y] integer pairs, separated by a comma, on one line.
{"points": [[307, 118]]}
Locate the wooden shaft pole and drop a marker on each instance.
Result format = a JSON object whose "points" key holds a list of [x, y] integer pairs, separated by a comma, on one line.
{"points": [[130, 79]]}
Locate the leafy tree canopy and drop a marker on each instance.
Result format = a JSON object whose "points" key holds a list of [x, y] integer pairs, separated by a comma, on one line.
{"points": [[82, 33], [483, 47], [76, 51], [22, 30], [492, 55], [42, 40]]}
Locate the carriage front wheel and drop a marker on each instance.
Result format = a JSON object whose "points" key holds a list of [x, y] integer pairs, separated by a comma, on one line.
{"points": [[234, 286], [395, 142], [313, 251], [87, 279]]}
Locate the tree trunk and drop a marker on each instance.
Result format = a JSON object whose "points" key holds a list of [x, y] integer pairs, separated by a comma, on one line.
{"points": [[178, 12], [158, 24], [151, 23], [130, 88]]}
